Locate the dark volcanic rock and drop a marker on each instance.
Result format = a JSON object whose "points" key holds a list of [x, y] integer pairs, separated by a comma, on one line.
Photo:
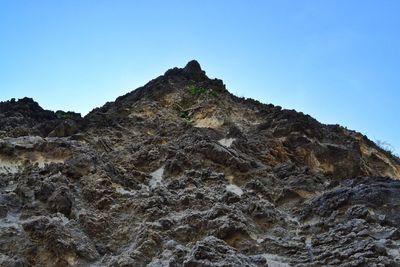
{"points": [[60, 201], [26, 117], [181, 173], [212, 251]]}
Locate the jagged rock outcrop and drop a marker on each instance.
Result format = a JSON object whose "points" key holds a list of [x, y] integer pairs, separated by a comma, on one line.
{"points": [[182, 173], [25, 117]]}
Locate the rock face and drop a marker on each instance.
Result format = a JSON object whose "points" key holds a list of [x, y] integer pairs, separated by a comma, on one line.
{"points": [[182, 173], [25, 117]]}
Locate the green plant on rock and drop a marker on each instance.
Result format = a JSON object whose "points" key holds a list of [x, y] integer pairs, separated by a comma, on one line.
{"points": [[198, 90], [62, 115], [185, 115]]}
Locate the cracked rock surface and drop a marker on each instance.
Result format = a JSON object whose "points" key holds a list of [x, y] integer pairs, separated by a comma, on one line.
{"points": [[180, 172]]}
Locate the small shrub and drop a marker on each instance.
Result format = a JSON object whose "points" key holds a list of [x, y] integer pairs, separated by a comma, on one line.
{"points": [[386, 147], [212, 92], [185, 115], [197, 90], [62, 115]]}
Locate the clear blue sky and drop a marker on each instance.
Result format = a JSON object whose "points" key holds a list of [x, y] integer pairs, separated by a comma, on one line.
{"points": [[338, 61]]}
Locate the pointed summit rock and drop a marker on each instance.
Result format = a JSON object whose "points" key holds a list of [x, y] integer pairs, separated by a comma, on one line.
{"points": [[193, 67], [175, 83], [193, 71]]}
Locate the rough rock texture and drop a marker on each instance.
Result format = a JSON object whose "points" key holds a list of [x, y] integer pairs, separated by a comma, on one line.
{"points": [[25, 117], [182, 173]]}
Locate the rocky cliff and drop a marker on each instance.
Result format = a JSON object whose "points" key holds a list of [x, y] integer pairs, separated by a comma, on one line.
{"points": [[180, 172]]}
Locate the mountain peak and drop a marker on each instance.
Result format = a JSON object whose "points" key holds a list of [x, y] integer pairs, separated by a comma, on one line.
{"points": [[193, 67], [191, 71], [197, 175]]}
